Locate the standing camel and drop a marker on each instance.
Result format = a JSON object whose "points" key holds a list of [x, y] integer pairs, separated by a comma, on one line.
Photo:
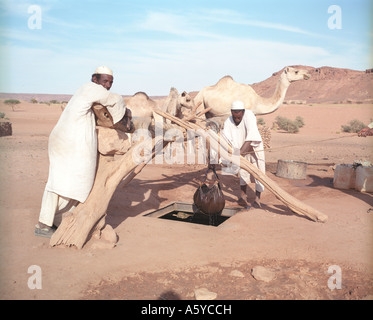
{"points": [[215, 101]]}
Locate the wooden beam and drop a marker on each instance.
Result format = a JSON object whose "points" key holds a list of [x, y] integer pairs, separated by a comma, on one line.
{"points": [[76, 227], [291, 202]]}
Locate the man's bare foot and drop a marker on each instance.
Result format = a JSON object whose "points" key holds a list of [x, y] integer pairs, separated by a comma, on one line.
{"points": [[256, 204], [242, 202]]}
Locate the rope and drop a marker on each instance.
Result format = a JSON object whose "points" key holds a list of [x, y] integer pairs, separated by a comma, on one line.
{"points": [[269, 149], [289, 146], [302, 144]]}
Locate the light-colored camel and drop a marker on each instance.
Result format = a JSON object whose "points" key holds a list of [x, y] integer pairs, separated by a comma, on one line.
{"points": [[215, 101], [177, 104], [142, 107]]}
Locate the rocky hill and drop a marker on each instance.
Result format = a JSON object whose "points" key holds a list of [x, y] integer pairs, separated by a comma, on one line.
{"points": [[327, 84]]}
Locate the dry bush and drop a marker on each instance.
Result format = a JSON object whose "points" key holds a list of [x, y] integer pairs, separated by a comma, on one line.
{"points": [[353, 126], [291, 126]]}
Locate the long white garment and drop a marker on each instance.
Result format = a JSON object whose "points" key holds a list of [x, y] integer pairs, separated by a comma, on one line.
{"points": [[247, 130], [53, 207], [73, 143]]}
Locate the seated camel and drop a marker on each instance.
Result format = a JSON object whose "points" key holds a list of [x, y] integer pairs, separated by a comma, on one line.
{"points": [[142, 107], [111, 142]]}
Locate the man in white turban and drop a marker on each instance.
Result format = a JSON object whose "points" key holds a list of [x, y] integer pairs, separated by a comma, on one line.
{"points": [[103, 76], [241, 130], [72, 150]]}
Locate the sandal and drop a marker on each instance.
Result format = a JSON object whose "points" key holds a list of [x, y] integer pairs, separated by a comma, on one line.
{"points": [[45, 232]]}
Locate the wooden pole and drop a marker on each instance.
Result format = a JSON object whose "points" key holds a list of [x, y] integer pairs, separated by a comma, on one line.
{"points": [[87, 217], [291, 202]]}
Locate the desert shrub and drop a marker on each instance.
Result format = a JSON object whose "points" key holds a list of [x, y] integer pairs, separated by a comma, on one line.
{"points": [[300, 121], [286, 124], [2, 115], [261, 122], [12, 101], [33, 100], [53, 102], [353, 126]]}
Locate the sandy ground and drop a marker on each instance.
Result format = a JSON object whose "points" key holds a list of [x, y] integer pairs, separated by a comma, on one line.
{"points": [[163, 259]]}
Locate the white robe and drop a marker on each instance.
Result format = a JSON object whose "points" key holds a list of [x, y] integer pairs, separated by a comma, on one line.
{"points": [[73, 142], [247, 130]]}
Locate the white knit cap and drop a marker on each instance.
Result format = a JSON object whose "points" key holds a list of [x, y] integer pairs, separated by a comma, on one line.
{"points": [[237, 105], [103, 70]]}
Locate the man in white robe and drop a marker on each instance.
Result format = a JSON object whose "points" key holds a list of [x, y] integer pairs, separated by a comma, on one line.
{"points": [[72, 150], [241, 130]]}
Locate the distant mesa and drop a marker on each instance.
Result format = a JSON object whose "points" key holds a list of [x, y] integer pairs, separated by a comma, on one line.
{"points": [[326, 85]]}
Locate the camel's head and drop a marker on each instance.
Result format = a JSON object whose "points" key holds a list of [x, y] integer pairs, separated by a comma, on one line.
{"points": [[186, 101], [104, 119], [294, 74]]}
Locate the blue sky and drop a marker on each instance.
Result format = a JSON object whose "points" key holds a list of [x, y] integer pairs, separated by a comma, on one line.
{"points": [[152, 45]]}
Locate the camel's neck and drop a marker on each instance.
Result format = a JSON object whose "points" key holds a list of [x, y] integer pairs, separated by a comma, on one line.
{"points": [[268, 105]]}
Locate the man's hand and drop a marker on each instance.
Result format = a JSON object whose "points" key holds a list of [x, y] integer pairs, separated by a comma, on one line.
{"points": [[235, 151], [246, 148]]}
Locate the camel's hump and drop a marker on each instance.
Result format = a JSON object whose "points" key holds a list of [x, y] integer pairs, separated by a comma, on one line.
{"points": [[224, 80], [141, 94]]}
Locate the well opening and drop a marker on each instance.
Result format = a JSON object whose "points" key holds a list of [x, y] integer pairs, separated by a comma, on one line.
{"points": [[187, 212]]}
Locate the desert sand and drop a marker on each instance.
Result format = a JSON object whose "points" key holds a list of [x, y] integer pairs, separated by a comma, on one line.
{"points": [[163, 259]]}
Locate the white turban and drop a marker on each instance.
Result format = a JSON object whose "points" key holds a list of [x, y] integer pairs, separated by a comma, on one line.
{"points": [[103, 70], [237, 105]]}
